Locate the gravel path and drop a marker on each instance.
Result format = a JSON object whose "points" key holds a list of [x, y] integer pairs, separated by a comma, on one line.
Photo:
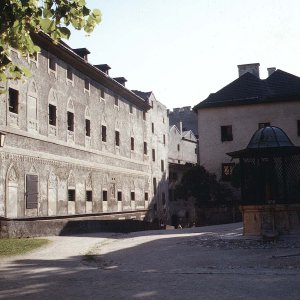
{"points": [[213, 262]]}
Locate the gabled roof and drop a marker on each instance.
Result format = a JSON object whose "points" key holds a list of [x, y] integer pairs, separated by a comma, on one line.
{"points": [[249, 89], [144, 95], [189, 135]]}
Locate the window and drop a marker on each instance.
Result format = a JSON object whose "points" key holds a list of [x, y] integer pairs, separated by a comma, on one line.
{"points": [[104, 195], [132, 196], [178, 147], [89, 196], [71, 195], [86, 84], [152, 103], [52, 64], [226, 133], [164, 139], [52, 115], [146, 196], [70, 121], [103, 133], [154, 186], [144, 115], [152, 127], [153, 155], [117, 138], [130, 108], [116, 101], [13, 100], [262, 125], [163, 120], [227, 171], [102, 94], [162, 165], [298, 127], [32, 191], [87, 127], [119, 196], [145, 148], [69, 74], [132, 144]]}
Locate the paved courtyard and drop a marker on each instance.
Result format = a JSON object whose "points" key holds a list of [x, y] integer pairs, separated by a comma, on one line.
{"points": [[213, 262]]}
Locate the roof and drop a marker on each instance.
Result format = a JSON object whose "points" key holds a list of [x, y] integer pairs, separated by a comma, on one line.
{"points": [[249, 89], [144, 95]]}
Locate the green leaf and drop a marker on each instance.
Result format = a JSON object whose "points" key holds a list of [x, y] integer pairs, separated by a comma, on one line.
{"points": [[65, 32]]}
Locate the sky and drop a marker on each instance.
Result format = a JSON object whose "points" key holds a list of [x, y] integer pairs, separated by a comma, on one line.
{"points": [[183, 50]]}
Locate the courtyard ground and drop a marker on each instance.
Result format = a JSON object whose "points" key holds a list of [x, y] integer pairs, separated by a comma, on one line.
{"points": [[212, 262]]}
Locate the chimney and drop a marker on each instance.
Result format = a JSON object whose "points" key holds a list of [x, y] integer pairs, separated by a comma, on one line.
{"points": [[104, 68], [180, 128], [249, 68], [271, 70], [82, 52], [121, 80]]}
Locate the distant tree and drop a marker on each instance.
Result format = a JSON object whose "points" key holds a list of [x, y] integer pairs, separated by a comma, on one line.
{"points": [[203, 186], [20, 18]]}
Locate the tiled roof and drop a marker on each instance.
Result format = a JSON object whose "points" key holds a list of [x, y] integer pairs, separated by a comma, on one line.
{"points": [[249, 89]]}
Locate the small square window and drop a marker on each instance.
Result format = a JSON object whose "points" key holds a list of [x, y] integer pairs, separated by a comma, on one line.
{"points": [[71, 195], [87, 127], [132, 144], [226, 133], [119, 196], [52, 64], [89, 196], [263, 125], [104, 195], [227, 169], [117, 138], [52, 115], [146, 196], [103, 133], [132, 196], [13, 100]]}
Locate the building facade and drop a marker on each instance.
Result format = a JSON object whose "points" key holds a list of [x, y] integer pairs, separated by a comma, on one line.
{"points": [[77, 141], [228, 118]]}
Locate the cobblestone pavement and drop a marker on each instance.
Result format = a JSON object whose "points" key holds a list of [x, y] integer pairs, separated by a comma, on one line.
{"points": [[213, 262]]}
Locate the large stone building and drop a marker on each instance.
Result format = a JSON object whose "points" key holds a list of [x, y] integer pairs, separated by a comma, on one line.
{"points": [[228, 118], [79, 142]]}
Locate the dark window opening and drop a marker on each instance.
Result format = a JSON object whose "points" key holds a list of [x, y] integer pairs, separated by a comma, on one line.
{"points": [[13, 100], [52, 64], [71, 195], [103, 133], [164, 139], [162, 165], [132, 144], [87, 127], [132, 196], [153, 154], [119, 196], [130, 109], [146, 196], [144, 115], [117, 138], [102, 94], [52, 115], [104, 195], [70, 121], [145, 148], [226, 133], [69, 74], [227, 169], [152, 127], [178, 147], [116, 101], [32, 191], [86, 84], [154, 186], [262, 125], [89, 196]]}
